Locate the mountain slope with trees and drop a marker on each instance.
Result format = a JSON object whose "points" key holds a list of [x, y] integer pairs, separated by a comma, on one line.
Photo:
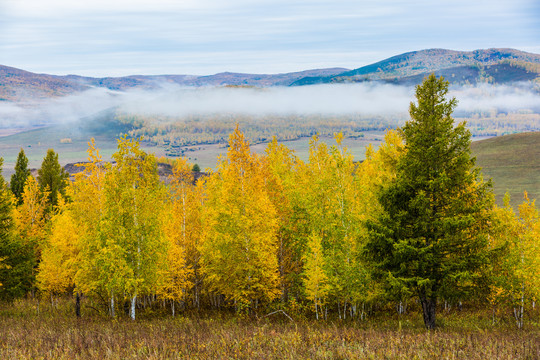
{"points": [[412, 67], [491, 65], [21, 86]]}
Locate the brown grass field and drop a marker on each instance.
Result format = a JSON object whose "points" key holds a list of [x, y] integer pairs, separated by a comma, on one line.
{"points": [[57, 334]]}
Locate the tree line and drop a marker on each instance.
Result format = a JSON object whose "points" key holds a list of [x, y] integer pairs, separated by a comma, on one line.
{"points": [[413, 223]]}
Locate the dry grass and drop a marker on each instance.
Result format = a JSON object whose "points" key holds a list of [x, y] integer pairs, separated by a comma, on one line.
{"points": [[513, 163], [58, 335]]}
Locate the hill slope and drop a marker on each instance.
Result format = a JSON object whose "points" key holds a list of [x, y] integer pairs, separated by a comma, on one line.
{"points": [[19, 85], [492, 65], [468, 65], [513, 162]]}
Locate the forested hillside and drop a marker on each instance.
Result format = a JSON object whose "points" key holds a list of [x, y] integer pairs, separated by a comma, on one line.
{"points": [[498, 66], [20, 85], [459, 67], [175, 241]]}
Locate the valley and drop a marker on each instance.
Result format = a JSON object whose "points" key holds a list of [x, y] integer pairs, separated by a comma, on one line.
{"points": [[192, 116]]}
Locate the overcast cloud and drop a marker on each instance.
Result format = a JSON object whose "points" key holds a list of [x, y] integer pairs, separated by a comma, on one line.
{"points": [[121, 37]]}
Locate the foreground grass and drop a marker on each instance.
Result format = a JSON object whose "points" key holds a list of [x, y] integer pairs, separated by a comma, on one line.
{"points": [[58, 335]]}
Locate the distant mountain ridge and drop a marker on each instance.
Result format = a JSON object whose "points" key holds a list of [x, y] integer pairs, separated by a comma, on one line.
{"points": [[20, 85], [16, 84], [417, 62], [467, 66], [491, 65]]}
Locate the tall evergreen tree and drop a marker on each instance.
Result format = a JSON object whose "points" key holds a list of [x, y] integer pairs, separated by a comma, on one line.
{"points": [[16, 261], [52, 176], [19, 178], [429, 238]]}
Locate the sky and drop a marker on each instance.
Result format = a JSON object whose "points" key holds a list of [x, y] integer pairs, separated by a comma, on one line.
{"points": [[201, 37]]}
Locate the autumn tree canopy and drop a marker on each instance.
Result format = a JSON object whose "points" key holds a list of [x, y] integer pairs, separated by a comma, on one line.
{"points": [[239, 247]]}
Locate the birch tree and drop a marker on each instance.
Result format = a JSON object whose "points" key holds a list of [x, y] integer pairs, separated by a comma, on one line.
{"points": [[238, 252], [132, 231]]}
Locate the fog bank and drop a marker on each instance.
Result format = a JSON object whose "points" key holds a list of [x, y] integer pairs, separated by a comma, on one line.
{"points": [[370, 99]]}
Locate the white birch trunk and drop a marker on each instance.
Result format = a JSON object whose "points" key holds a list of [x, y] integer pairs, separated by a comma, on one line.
{"points": [[133, 301]]}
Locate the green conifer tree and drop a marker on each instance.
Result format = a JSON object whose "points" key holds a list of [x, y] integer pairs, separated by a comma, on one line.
{"points": [[16, 261], [19, 178], [430, 239], [53, 177]]}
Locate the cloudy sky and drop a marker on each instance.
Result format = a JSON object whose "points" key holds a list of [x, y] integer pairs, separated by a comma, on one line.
{"points": [[122, 37]]}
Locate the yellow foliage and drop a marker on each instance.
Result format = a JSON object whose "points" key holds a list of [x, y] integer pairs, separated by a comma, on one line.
{"points": [[285, 190], [517, 273], [29, 217], [315, 279], [87, 209], [238, 252], [183, 232], [57, 268]]}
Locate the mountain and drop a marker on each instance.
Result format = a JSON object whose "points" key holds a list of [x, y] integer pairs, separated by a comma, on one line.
{"points": [[262, 80], [501, 73], [220, 79], [500, 66], [19, 85], [491, 65]]}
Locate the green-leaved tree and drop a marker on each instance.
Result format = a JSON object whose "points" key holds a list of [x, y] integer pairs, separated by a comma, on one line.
{"points": [[53, 177], [16, 261], [18, 179], [429, 239]]}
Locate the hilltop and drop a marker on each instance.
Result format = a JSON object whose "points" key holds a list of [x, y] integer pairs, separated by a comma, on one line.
{"points": [[491, 65], [20, 86], [500, 66]]}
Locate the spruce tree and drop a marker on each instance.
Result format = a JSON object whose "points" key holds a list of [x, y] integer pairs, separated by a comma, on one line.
{"points": [[52, 176], [19, 178], [429, 239], [16, 260]]}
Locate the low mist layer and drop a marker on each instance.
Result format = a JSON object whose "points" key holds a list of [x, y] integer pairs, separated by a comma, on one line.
{"points": [[369, 99]]}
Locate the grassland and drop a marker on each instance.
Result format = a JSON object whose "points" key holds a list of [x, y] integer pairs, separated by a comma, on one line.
{"points": [[35, 142], [513, 162], [57, 334]]}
